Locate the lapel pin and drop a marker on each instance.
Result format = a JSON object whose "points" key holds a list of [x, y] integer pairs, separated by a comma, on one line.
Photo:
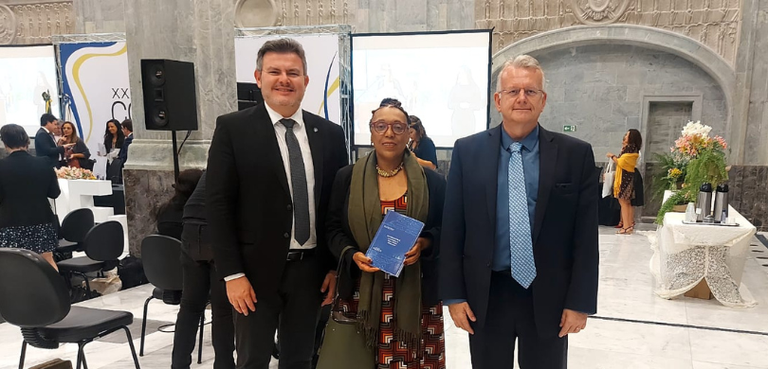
{"points": [[315, 130]]}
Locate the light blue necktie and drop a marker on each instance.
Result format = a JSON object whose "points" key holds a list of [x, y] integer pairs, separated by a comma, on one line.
{"points": [[520, 243]]}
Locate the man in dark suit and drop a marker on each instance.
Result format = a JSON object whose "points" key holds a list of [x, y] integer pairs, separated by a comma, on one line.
{"points": [[271, 168], [519, 258], [127, 127], [45, 143]]}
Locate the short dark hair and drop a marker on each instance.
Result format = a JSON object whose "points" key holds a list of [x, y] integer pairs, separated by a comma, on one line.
{"points": [[127, 124], [282, 46], [396, 104], [390, 101], [47, 118], [14, 136]]}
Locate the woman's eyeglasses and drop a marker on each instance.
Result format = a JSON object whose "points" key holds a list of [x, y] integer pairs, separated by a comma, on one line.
{"points": [[381, 127]]}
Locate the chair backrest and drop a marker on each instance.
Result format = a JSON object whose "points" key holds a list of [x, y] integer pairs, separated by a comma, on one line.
{"points": [[161, 258], [104, 242], [33, 293], [76, 225]]}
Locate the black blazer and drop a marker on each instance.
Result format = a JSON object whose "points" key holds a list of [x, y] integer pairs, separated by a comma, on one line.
{"points": [[248, 198], [565, 243], [26, 183], [340, 236], [45, 146], [81, 148]]}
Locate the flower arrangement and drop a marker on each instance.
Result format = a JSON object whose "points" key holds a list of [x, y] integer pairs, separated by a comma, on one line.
{"points": [[74, 173], [704, 159]]}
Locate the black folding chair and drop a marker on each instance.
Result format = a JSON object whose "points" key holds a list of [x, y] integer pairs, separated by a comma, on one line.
{"points": [[40, 307]]}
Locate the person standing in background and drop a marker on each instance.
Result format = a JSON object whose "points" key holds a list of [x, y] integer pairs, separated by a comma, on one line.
{"points": [[519, 256], [45, 141], [421, 145], [26, 184], [624, 182], [127, 128]]}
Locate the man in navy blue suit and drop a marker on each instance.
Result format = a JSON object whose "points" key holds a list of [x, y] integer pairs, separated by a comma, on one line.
{"points": [[127, 127], [519, 259], [45, 143]]}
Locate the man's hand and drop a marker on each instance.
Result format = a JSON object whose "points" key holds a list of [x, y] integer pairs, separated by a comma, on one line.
{"points": [[364, 263], [413, 255], [572, 322], [461, 315], [329, 284], [241, 295]]}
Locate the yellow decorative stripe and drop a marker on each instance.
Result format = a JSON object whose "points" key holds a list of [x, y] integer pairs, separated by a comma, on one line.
{"points": [[76, 76], [331, 90]]}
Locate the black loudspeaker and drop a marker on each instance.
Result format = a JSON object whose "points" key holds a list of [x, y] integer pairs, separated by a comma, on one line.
{"points": [[248, 95], [170, 101]]}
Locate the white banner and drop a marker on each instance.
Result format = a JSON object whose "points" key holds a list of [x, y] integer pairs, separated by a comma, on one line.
{"points": [[322, 51], [96, 89]]}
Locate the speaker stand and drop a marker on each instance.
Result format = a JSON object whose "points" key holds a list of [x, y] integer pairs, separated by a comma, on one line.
{"points": [[175, 156]]}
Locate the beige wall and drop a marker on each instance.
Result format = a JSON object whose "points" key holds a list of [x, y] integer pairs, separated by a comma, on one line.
{"points": [[33, 22]]}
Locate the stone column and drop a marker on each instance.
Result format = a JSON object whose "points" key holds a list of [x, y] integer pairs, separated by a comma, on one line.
{"points": [[198, 31]]}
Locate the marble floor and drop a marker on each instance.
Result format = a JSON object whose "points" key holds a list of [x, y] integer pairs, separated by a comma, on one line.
{"points": [[633, 328]]}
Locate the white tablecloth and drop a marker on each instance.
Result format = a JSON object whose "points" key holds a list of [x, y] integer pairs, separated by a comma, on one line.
{"points": [[684, 254]]}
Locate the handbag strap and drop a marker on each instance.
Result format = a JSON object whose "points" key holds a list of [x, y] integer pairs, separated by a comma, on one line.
{"points": [[339, 273]]}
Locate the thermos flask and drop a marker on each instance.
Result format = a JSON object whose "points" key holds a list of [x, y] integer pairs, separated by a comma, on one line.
{"points": [[704, 202], [721, 203]]}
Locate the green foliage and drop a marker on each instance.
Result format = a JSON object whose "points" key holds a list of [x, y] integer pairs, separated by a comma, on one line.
{"points": [[661, 179], [707, 167]]}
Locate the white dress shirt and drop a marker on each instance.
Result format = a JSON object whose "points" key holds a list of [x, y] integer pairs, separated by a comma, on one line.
{"points": [[299, 129]]}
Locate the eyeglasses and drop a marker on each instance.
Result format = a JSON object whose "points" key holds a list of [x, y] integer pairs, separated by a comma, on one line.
{"points": [[529, 92], [398, 128]]}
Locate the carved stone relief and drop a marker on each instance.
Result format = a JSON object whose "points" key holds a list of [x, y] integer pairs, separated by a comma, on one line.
{"points": [[256, 13], [599, 11], [713, 23], [7, 25], [29, 23]]}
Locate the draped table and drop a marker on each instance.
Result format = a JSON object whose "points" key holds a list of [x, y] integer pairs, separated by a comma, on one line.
{"points": [[686, 254]]}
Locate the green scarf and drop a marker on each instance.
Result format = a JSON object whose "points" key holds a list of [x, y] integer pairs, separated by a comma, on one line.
{"points": [[364, 220]]}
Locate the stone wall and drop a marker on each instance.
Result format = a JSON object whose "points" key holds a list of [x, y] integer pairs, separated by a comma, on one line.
{"points": [[605, 89]]}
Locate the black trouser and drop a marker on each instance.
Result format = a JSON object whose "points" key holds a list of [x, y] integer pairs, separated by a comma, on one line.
{"points": [[295, 309], [510, 317], [199, 279]]}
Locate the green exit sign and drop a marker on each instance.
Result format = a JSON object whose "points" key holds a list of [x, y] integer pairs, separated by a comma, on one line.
{"points": [[571, 128]]}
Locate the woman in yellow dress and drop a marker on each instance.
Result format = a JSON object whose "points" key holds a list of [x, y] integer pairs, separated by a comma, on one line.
{"points": [[623, 186]]}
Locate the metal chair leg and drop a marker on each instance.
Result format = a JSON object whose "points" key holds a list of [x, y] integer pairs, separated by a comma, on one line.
{"points": [[200, 344], [23, 354], [133, 349], [144, 326], [79, 355]]}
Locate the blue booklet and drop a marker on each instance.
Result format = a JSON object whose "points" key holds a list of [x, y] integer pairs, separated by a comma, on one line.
{"points": [[395, 237]]}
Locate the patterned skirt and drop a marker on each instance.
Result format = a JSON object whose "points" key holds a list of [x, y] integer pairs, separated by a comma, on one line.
{"points": [[393, 354], [39, 238], [627, 188]]}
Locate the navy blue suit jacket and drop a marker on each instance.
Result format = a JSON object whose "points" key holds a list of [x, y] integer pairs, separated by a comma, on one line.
{"points": [[565, 236]]}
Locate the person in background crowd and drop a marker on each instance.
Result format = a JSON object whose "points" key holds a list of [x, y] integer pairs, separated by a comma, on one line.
{"points": [[169, 215], [200, 282], [26, 184], [421, 145], [45, 142], [77, 155], [623, 184], [113, 143], [127, 128], [519, 252], [401, 316]]}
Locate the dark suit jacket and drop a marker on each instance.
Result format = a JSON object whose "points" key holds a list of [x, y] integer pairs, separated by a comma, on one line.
{"points": [[46, 147], [565, 244], [26, 183], [249, 203], [340, 236], [123, 155]]}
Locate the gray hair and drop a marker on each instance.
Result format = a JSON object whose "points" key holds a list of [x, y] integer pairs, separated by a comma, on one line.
{"points": [[522, 61], [282, 46]]}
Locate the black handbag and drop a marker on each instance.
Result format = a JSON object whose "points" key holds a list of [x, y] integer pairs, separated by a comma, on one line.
{"points": [[344, 344]]}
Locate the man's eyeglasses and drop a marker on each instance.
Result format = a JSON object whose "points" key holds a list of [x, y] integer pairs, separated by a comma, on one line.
{"points": [[398, 128], [529, 92]]}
